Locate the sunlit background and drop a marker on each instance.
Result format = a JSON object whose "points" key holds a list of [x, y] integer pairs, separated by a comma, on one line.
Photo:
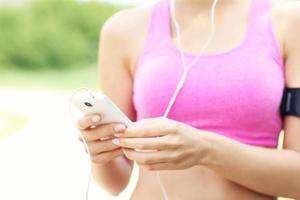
{"points": [[48, 48]]}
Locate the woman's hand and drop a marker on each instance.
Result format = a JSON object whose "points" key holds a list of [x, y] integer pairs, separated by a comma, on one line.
{"points": [[163, 144], [99, 139]]}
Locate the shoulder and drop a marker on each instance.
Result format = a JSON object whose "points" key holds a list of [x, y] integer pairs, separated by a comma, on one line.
{"points": [[286, 14], [286, 8], [126, 24], [125, 32]]}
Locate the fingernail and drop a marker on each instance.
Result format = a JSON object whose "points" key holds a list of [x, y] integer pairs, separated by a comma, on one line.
{"points": [[119, 128], [116, 141], [95, 118]]}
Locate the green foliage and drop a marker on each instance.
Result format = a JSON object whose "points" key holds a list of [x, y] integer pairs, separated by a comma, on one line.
{"points": [[51, 34]]}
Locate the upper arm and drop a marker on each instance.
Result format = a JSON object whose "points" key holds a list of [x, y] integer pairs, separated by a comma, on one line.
{"points": [[292, 74], [116, 48]]}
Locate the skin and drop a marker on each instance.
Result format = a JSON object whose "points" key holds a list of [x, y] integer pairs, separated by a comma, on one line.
{"points": [[199, 159]]}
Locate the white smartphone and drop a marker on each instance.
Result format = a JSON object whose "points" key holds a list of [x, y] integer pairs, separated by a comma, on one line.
{"points": [[102, 105]]}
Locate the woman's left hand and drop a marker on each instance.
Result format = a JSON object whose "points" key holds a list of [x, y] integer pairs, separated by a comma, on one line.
{"points": [[174, 145]]}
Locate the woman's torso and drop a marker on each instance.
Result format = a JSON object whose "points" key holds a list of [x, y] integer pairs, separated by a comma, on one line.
{"points": [[197, 182]]}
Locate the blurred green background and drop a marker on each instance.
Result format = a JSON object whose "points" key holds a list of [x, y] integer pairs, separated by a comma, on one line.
{"points": [[48, 45], [51, 43]]}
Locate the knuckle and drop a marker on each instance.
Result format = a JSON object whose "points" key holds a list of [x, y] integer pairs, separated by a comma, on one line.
{"points": [[147, 167], [165, 128], [170, 128], [177, 140], [82, 123], [174, 142], [180, 157], [174, 128], [122, 142], [144, 160], [175, 156], [110, 128]]}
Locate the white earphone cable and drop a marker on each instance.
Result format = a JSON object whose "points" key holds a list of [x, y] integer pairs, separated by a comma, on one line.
{"points": [[177, 90], [186, 67], [82, 138]]}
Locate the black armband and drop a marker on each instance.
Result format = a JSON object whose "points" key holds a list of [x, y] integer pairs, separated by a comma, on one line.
{"points": [[290, 104]]}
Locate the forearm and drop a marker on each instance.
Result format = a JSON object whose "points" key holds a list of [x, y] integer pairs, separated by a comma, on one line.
{"points": [[269, 171], [113, 176]]}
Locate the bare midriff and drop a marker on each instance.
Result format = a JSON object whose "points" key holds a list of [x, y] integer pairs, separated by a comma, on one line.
{"points": [[191, 184]]}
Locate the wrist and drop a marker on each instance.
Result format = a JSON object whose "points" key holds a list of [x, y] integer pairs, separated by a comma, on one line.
{"points": [[102, 165], [207, 147], [217, 150], [110, 163]]}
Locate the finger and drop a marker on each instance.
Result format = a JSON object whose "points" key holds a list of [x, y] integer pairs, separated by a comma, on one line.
{"points": [[99, 133], [88, 121], [148, 121], [150, 130], [106, 157], [154, 143], [152, 157], [145, 121], [101, 147]]}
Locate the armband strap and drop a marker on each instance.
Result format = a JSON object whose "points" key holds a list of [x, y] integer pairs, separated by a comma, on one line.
{"points": [[290, 104]]}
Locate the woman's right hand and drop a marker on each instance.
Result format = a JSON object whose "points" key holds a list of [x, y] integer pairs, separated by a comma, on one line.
{"points": [[99, 138]]}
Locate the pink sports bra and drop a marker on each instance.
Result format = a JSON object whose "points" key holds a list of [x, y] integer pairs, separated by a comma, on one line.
{"points": [[236, 93]]}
